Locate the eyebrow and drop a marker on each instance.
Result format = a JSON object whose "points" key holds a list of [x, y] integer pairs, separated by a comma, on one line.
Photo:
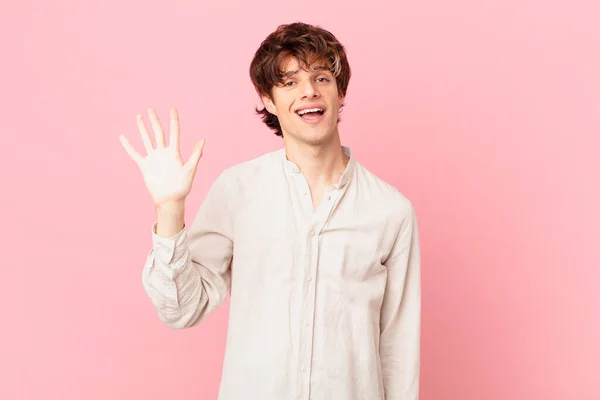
{"points": [[313, 69]]}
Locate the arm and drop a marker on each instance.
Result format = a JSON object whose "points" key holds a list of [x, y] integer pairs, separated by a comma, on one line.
{"points": [[187, 275], [401, 315]]}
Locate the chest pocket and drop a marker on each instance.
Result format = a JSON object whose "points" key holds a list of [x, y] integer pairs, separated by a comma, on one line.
{"points": [[350, 256]]}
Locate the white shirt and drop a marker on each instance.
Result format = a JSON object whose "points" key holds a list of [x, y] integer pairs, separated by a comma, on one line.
{"points": [[325, 304]]}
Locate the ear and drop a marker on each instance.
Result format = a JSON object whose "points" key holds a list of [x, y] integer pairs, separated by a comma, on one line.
{"points": [[269, 105]]}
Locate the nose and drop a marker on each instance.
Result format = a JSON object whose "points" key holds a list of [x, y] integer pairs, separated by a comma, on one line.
{"points": [[309, 90]]}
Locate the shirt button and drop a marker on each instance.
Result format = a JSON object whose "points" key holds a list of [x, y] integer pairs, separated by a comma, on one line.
{"points": [[304, 368], [309, 278], [306, 323], [312, 233]]}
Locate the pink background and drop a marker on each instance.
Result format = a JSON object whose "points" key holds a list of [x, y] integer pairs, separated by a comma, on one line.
{"points": [[484, 113]]}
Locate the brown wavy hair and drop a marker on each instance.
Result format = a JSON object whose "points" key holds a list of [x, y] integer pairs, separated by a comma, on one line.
{"points": [[307, 44]]}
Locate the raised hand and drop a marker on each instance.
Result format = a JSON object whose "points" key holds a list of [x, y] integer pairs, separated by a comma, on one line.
{"points": [[167, 178]]}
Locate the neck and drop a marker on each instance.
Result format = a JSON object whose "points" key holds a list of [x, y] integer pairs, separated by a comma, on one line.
{"points": [[322, 164]]}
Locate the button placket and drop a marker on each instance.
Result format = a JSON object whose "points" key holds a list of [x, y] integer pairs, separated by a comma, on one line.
{"points": [[312, 247], [315, 221]]}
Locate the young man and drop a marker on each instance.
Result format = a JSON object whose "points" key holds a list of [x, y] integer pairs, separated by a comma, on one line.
{"points": [[320, 257]]}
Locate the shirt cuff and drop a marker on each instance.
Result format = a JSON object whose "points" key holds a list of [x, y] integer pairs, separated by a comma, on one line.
{"points": [[169, 250]]}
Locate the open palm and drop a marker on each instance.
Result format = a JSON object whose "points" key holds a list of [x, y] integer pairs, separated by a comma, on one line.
{"points": [[167, 177]]}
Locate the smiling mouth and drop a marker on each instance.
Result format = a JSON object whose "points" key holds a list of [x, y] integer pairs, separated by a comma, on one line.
{"points": [[312, 115], [310, 111]]}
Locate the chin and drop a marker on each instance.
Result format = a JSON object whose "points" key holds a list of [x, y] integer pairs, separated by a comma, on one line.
{"points": [[311, 133]]}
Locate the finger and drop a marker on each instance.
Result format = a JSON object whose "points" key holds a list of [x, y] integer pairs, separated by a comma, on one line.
{"points": [[158, 131], [144, 132], [192, 163], [130, 150], [174, 130]]}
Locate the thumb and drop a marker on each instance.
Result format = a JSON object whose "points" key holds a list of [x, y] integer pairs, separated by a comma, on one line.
{"points": [[192, 163]]}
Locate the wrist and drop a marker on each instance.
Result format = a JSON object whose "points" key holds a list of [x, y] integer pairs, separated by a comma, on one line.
{"points": [[171, 207], [170, 218]]}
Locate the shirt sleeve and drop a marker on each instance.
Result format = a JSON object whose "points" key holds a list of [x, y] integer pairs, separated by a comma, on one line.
{"points": [[188, 275], [401, 315]]}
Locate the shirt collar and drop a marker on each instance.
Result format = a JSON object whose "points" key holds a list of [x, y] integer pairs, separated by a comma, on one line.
{"points": [[344, 179]]}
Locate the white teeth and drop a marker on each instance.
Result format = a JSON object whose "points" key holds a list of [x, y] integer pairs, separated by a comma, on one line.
{"points": [[302, 112]]}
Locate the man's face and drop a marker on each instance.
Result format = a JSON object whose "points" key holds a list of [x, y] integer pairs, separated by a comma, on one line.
{"points": [[315, 91]]}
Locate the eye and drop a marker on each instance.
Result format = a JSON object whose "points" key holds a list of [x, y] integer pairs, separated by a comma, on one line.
{"points": [[290, 83], [322, 80]]}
